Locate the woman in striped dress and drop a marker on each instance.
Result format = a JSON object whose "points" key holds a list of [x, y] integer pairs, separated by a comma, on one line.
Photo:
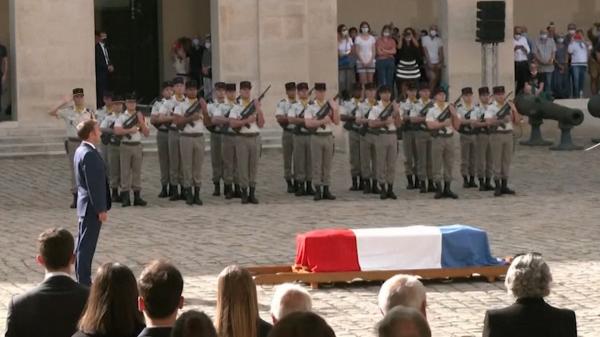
{"points": [[408, 59]]}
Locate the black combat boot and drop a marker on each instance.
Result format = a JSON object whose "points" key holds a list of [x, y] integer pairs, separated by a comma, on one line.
{"points": [[228, 191], [217, 191], [367, 186], [488, 185], [498, 189], [163, 192], [481, 185], [189, 197], [237, 191], [354, 186], [125, 201], [116, 196], [252, 197], [309, 188], [317, 193], [472, 182], [244, 195], [327, 194], [431, 187], [439, 193], [361, 184], [422, 186], [290, 186], [390, 192], [410, 184], [505, 189], [299, 189], [184, 193], [74, 202], [375, 187], [448, 192], [383, 194], [197, 200], [174, 193], [137, 200], [465, 182]]}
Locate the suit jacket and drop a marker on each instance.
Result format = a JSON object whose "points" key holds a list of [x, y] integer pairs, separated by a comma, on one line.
{"points": [[101, 65], [530, 317], [263, 328], [52, 309], [156, 332], [92, 184]]}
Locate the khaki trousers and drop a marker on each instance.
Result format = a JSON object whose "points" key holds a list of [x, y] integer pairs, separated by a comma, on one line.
{"points": [[216, 156], [442, 158], [192, 157], [386, 150], [468, 155], [287, 144], [302, 158], [103, 149], [175, 176], [354, 151], [423, 145], [114, 161], [502, 151], [321, 149], [409, 145], [369, 157], [246, 150], [72, 146], [162, 144], [230, 170], [484, 156], [131, 167]]}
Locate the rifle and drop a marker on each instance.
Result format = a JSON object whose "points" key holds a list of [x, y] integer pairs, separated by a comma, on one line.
{"points": [[250, 109], [349, 124], [423, 113], [385, 114], [467, 128], [324, 112], [503, 112], [443, 117], [130, 122], [192, 109]]}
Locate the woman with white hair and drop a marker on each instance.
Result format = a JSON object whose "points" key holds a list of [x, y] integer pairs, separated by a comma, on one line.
{"points": [[528, 279]]}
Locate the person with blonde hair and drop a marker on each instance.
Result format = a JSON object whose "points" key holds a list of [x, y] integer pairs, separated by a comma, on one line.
{"points": [[237, 305]]}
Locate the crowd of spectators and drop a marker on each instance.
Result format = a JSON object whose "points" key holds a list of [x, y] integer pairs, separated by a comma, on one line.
{"points": [[119, 305]]}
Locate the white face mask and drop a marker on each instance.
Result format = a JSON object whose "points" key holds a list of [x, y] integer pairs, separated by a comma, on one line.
{"points": [[364, 29], [386, 33], [345, 32], [544, 36], [572, 31], [433, 33], [207, 45], [196, 42], [517, 36], [560, 40]]}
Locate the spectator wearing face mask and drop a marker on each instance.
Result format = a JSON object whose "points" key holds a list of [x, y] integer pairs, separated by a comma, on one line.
{"points": [[365, 54], [560, 81], [571, 30], [433, 48], [346, 60], [385, 51], [207, 66], [578, 49], [544, 53], [521, 50], [409, 59], [196, 60]]}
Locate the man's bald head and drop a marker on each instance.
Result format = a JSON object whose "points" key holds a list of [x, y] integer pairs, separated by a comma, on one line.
{"points": [[402, 290]]}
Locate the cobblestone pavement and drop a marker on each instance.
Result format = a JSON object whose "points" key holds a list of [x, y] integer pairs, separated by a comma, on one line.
{"points": [[555, 213]]}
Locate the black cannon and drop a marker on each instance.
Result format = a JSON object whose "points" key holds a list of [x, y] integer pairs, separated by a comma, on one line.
{"points": [[594, 109], [538, 109]]}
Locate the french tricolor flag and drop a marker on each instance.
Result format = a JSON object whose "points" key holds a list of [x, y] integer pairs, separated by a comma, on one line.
{"points": [[394, 248]]}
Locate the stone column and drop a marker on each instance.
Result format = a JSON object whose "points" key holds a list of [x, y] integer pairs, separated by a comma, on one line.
{"points": [[273, 42], [52, 51], [458, 24]]}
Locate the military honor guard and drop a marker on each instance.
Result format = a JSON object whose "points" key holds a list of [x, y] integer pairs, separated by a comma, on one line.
{"points": [[409, 131], [501, 116], [131, 125], [442, 120], [368, 141], [484, 149], [221, 118], [383, 122], [287, 137], [161, 121], [320, 117], [348, 112], [114, 146], [167, 110], [189, 120], [100, 116], [468, 139], [246, 119], [423, 138], [72, 114], [301, 138], [216, 136]]}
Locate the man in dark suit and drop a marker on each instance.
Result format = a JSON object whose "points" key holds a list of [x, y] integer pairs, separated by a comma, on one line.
{"points": [[103, 67], [160, 286], [53, 308], [93, 197], [529, 279]]}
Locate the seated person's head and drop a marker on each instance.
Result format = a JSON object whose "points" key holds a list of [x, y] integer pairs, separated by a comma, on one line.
{"points": [[289, 298], [237, 305], [528, 276], [160, 286], [302, 324], [403, 322], [402, 290], [55, 250], [193, 323]]}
